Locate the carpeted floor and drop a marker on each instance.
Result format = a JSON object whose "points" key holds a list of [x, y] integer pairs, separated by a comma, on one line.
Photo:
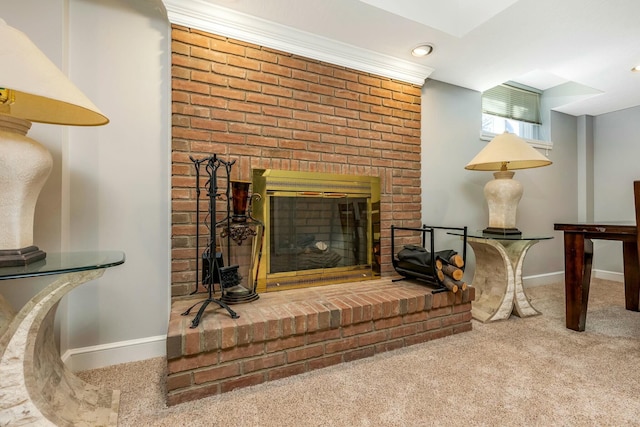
{"points": [[517, 372]]}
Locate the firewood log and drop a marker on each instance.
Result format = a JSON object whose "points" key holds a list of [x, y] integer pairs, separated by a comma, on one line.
{"points": [[456, 260], [450, 284], [452, 271], [453, 285]]}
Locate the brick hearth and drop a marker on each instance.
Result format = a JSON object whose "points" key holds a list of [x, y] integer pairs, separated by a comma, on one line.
{"points": [[291, 332]]}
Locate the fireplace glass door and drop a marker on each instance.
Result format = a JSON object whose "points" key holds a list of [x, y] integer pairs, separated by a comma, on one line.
{"points": [[309, 233], [320, 229]]}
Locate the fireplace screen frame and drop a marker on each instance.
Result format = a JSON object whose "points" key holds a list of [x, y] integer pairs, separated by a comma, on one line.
{"points": [[271, 183]]}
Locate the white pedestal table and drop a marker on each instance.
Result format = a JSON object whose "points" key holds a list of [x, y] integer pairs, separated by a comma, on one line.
{"points": [[498, 275], [36, 388]]}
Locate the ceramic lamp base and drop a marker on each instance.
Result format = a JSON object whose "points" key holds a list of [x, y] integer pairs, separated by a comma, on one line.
{"points": [[25, 165], [495, 231], [503, 195], [20, 257]]}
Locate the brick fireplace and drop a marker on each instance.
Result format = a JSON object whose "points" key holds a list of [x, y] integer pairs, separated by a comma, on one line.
{"points": [[268, 109], [272, 110]]}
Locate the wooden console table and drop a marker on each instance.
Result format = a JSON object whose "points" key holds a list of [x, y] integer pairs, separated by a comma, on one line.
{"points": [[498, 275], [578, 261], [36, 388]]}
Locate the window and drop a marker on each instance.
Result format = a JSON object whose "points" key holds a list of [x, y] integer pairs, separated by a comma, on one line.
{"points": [[513, 109]]}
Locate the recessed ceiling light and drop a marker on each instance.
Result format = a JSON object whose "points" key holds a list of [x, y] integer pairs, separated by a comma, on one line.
{"points": [[422, 50], [636, 68]]}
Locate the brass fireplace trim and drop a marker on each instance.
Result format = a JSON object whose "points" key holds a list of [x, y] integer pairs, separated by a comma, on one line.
{"points": [[273, 183]]}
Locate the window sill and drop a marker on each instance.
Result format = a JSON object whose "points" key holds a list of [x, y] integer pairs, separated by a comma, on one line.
{"points": [[545, 145]]}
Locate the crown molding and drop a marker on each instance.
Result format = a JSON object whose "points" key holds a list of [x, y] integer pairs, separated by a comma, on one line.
{"points": [[205, 16]]}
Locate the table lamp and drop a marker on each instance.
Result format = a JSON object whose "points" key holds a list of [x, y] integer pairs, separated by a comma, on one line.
{"points": [[32, 89], [505, 153]]}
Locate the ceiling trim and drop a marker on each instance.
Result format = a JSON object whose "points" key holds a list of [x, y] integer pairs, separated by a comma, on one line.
{"points": [[205, 16]]}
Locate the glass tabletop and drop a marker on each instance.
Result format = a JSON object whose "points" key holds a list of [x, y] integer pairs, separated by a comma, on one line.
{"points": [[479, 234], [65, 262]]}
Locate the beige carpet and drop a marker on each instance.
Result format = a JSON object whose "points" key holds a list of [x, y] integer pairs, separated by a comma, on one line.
{"points": [[517, 372]]}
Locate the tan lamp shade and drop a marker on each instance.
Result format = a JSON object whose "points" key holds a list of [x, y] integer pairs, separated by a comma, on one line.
{"points": [[507, 152], [32, 89], [38, 90]]}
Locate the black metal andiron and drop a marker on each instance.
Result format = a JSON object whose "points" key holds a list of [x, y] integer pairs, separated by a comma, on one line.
{"points": [[213, 269]]}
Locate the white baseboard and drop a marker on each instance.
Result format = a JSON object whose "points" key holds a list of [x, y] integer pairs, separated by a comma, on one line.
{"points": [[543, 279], [93, 357], [608, 275], [548, 278], [98, 356]]}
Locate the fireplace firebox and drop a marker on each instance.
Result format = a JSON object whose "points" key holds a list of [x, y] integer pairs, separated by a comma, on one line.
{"points": [[320, 228]]}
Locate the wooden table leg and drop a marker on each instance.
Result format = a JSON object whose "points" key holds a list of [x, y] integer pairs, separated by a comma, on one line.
{"points": [[578, 259], [631, 275]]}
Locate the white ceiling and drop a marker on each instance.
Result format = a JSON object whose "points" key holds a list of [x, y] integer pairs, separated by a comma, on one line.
{"points": [[583, 49]]}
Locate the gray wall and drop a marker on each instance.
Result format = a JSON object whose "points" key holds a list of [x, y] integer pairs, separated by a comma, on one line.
{"points": [[451, 120], [615, 167], [110, 187]]}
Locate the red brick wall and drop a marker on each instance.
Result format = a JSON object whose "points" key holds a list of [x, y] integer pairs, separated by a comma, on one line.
{"points": [[269, 109]]}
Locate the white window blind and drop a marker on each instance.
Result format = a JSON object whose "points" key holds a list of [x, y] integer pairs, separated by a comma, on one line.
{"points": [[512, 103]]}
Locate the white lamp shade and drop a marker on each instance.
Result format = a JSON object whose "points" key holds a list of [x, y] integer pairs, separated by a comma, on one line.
{"points": [[32, 89], [508, 150], [41, 92]]}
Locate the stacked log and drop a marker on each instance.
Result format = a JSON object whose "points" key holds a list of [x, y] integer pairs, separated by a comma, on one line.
{"points": [[450, 272]]}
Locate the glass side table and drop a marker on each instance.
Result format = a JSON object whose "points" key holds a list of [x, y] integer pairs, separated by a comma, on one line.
{"points": [[37, 388], [498, 275]]}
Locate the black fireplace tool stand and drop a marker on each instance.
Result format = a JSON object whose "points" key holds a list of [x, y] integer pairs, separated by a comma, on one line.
{"points": [[212, 261]]}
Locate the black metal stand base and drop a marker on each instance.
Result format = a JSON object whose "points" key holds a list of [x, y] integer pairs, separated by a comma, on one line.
{"points": [[436, 287], [196, 320], [239, 299]]}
